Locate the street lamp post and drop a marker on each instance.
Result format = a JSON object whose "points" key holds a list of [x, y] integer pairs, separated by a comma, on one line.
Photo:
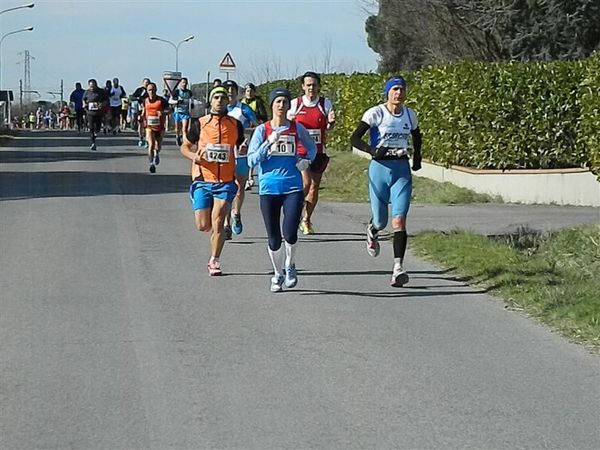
{"points": [[175, 46], [4, 36], [29, 5]]}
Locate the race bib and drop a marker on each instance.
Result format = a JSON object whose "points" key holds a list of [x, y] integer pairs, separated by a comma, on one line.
{"points": [[153, 120], [93, 106], [316, 135], [218, 153], [285, 146]]}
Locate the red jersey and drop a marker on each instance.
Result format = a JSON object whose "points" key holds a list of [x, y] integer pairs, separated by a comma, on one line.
{"points": [[315, 121]]}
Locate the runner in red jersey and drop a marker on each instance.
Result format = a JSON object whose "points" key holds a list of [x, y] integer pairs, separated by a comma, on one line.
{"points": [[317, 115]]}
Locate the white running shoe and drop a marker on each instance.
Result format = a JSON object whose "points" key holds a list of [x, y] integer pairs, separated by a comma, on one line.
{"points": [[372, 241], [277, 283], [399, 277], [291, 276]]}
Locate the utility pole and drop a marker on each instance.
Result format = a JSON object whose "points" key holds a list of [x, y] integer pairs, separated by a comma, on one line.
{"points": [[62, 91], [21, 96], [27, 74]]}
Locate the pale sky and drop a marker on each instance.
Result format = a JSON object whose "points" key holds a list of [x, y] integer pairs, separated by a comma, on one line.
{"points": [[78, 40]]}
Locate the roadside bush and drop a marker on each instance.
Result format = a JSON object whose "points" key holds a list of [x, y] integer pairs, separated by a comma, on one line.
{"points": [[509, 115]]}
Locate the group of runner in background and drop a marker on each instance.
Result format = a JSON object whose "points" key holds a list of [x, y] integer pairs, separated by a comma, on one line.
{"points": [[230, 138]]}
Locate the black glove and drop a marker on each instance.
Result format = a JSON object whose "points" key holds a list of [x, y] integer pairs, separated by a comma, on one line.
{"points": [[416, 163], [379, 153]]}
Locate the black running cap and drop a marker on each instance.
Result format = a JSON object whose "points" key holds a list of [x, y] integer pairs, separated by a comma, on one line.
{"points": [[231, 84]]}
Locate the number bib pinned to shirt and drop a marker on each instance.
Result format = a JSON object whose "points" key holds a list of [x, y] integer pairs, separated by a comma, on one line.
{"points": [[316, 135], [93, 106], [285, 146], [153, 120], [218, 153]]}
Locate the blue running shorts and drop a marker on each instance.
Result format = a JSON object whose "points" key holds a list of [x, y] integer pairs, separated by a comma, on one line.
{"points": [[202, 193], [180, 116], [390, 181]]}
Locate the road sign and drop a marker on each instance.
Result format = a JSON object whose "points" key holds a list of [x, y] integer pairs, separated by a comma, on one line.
{"points": [[227, 64], [171, 80]]}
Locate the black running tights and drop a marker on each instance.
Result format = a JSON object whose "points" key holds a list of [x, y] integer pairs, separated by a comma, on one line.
{"points": [[271, 207]]}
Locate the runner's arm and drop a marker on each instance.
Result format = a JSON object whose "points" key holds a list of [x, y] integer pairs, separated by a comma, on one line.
{"points": [[417, 143], [330, 114], [241, 138], [189, 142], [307, 141], [357, 142], [259, 147]]}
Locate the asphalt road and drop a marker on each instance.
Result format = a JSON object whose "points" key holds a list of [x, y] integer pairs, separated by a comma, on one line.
{"points": [[114, 337]]}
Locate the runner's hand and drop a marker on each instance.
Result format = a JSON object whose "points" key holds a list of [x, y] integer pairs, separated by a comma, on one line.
{"points": [[416, 165], [200, 154], [302, 164], [330, 119], [379, 152], [274, 137]]}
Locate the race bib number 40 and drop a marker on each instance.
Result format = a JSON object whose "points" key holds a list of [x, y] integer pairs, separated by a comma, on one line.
{"points": [[218, 153], [285, 146], [316, 135]]}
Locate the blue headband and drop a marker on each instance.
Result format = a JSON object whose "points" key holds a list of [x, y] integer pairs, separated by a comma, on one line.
{"points": [[396, 81]]}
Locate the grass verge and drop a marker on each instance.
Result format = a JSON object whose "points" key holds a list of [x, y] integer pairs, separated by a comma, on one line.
{"points": [[346, 181], [554, 277]]}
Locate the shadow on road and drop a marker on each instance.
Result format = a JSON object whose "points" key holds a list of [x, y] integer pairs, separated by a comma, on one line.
{"points": [[416, 291], [23, 185], [62, 139], [25, 156]]}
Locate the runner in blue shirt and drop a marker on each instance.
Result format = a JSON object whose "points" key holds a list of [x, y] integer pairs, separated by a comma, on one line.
{"points": [[181, 115], [76, 98], [246, 116], [392, 127], [273, 150]]}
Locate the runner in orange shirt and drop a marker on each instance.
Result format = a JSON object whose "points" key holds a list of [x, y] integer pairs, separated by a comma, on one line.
{"points": [[213, 185], [154, 118]]}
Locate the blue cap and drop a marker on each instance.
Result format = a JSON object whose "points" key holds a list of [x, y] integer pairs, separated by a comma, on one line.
{"points": [[394, 81], [279, 92]]}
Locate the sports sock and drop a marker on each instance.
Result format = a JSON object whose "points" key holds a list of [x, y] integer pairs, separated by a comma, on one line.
{"points": [[277, 259], [400, 238], [290, 252]]}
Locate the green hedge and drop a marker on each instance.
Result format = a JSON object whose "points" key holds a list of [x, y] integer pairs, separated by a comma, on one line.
{"points": [[486, 115]]}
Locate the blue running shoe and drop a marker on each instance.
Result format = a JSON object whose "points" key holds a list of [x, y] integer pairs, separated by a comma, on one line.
{"points": [[236, 224], [156, 158], [291, 276]]}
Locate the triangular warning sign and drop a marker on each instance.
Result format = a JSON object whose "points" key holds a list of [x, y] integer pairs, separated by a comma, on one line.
{"points": [[227, 62], [171, 80]]}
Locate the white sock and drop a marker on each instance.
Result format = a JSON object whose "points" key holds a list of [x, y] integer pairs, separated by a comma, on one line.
{"points": [[290, 251], [277, 258], [398, 263]]}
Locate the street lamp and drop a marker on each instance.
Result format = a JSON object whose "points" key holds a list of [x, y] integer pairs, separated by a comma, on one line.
{"points": [[29, 5], [2, 40], [176, 47]]}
